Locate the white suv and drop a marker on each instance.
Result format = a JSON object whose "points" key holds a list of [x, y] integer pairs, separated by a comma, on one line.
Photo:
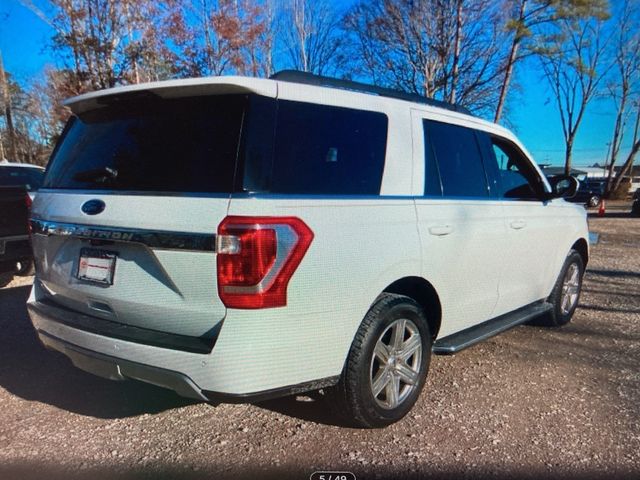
{"points": [[235, 239]]}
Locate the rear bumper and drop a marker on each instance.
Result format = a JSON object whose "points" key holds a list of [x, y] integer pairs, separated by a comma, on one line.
{"points": [[189, 374], [114, 368]]}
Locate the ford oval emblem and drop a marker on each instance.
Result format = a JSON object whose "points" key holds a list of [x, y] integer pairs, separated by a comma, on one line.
{"points": [[93, 207]]}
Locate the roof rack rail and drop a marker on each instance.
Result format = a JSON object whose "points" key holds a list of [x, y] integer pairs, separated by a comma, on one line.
{"points": [[306, 78]]}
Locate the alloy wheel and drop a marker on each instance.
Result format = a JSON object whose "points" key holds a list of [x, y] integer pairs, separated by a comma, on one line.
{"points": [[395, 364], [570, 289]]}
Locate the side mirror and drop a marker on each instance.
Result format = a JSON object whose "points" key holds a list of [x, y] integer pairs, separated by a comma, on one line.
{"points": [[563, 186]]}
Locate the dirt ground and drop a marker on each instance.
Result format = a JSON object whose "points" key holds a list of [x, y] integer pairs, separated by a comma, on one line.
{"points": [[532, 402]]}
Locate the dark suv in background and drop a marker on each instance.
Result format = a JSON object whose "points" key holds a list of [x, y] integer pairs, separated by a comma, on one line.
{"points": [[18, 185], [590, 192], [21, 175]]}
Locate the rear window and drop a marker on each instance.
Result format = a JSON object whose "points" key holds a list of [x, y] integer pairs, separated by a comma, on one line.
{"points": [[179, 145], [30, 178]]}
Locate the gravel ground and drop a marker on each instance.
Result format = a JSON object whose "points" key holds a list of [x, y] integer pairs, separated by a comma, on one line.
{"points": [[530, 403]]}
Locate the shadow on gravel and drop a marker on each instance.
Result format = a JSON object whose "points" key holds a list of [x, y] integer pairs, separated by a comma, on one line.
{"points": [[311, 408], [597, 332], [610, 292], [614, 273], [601, 308], [618, 214], [29, 371]]}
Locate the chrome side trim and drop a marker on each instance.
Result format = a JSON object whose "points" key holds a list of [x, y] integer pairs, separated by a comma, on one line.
{"points": [[139, 193], [165, 240]]}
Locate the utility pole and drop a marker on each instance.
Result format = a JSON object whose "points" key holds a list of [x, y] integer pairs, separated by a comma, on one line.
{"points": [[6, 98]]}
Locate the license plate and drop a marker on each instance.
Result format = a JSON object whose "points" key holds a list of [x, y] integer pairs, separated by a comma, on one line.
{"points": [[97, 266]]}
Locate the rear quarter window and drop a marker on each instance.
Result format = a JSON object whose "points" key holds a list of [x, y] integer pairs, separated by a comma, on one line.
{"points": [[323, 150]]}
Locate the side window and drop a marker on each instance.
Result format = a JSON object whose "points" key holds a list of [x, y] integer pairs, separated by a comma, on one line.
{"points": [[518, 179], [458, 160], [321, 149]]}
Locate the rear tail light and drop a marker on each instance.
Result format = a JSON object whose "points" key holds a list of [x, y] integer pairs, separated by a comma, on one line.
{"points": [[257, 257]]}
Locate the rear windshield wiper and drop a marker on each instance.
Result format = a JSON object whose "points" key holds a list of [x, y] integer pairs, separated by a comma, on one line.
{"points": [[97, 175]]}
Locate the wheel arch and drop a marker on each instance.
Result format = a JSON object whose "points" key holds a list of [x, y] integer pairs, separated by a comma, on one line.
{"points": [[582, 247], [425, 294]]}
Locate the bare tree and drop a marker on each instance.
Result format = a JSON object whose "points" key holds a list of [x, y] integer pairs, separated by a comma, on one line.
{"points": [[450, 50], [260, 30], [88, 34], [310, 36], [213, 37], [635, 146], [23, 141], [457, 43], [268, 38], [7, 110], [625, 82], [573, 61], [527, 19]]}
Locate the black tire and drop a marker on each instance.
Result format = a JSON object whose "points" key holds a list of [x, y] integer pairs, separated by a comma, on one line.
{"points": [[352, 398], [557, 316], [5, 279], [25, 267], [593, 201]]}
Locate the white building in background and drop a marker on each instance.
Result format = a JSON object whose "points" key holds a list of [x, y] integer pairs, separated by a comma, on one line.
{"points": [[594, 172]]}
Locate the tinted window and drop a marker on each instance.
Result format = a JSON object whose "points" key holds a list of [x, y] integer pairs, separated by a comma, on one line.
{"points": [[258, 144], [30, 178], [516, 175], [432, 184], [594, 186], [321, 149], [180, 145], [459, 161]]}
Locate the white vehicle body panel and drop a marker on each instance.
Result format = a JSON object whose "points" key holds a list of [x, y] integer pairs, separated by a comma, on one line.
{"points": [[172, 291], [481, 269]]}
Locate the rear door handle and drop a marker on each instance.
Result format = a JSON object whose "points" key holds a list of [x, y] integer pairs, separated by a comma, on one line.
{"points": [[440, 230], [518, 224]]}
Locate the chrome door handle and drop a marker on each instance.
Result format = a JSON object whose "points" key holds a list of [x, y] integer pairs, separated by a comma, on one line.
{"points": [[518, 224], [440, 230]]}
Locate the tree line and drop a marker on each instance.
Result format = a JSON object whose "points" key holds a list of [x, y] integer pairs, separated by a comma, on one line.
{"points": [[467, 52]]}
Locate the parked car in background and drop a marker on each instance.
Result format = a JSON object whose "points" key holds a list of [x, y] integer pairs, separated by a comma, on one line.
{"points": [[15, 249], [590, 192], [236, 239], [635, 206], [21, 175], [29, 177]]}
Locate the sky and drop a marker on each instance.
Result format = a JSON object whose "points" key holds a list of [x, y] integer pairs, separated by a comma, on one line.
{"points": [[24, 40]]}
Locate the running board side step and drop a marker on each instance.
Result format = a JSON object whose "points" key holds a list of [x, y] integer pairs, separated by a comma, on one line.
{"points": [[470, 336]]}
